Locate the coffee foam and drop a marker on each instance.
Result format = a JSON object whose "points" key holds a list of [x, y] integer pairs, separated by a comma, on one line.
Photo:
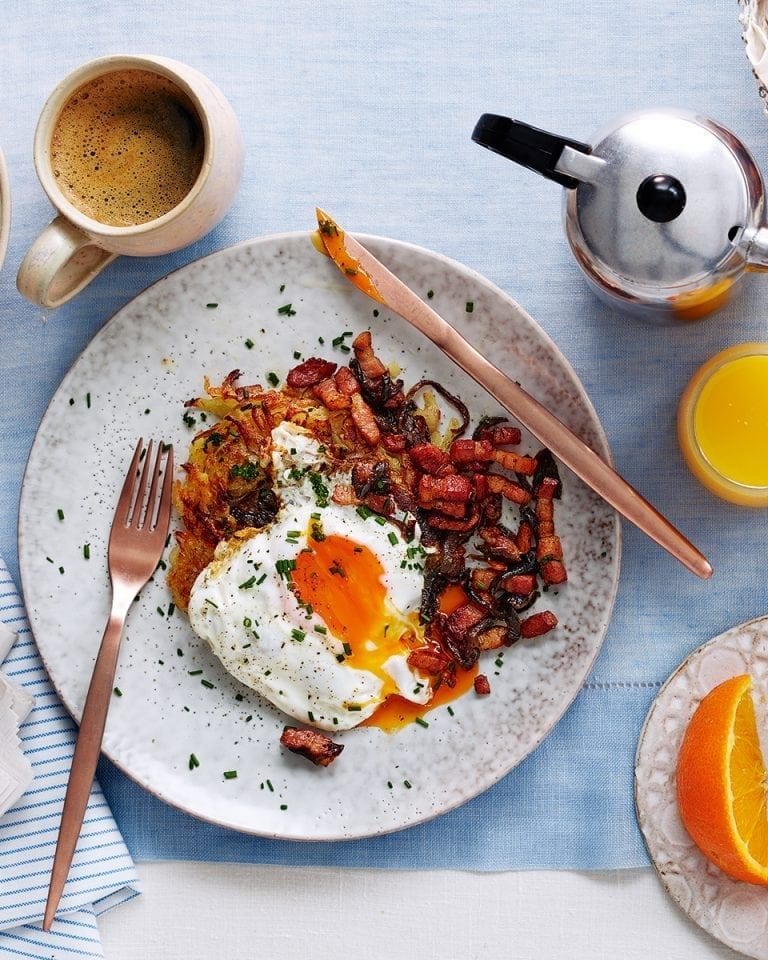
{"points": [[127, 147]]}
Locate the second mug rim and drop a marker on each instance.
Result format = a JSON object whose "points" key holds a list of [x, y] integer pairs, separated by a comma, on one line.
{"points": [[52, 108]]}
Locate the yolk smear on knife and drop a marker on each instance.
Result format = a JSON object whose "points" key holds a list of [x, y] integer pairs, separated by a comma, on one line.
{"points": [[331, 238]]}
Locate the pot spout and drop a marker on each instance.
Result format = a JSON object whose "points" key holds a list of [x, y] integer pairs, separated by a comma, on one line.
{"points": [[754, 246]]}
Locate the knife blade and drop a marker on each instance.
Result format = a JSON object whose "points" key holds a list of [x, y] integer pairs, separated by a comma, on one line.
{"points": [[371, 277]]}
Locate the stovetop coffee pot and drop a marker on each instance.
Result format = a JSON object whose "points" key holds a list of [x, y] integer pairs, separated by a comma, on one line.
{"points": [[664, 210]]}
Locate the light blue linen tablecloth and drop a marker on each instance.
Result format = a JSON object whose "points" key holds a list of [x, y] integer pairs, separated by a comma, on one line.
{"points": [[367, 109]]}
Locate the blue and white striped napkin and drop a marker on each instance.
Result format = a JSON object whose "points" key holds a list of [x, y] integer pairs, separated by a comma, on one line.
{"points": [[103, 874]]}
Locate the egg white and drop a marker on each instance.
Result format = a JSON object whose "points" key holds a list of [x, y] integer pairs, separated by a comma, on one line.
{"points": [[243, 608]]}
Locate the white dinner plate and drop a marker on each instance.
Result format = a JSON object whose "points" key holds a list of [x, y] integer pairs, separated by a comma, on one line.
{"points": [[132, 380]]}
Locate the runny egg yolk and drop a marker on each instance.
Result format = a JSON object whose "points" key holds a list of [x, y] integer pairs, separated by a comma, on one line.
{"points": [[342, 581], [397, 712]]}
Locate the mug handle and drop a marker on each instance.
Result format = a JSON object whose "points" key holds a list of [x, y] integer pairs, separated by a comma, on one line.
{"points": [[59, 264]]}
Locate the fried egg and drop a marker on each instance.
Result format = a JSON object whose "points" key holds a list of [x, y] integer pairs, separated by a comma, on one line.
{"points": [[318, 611]]}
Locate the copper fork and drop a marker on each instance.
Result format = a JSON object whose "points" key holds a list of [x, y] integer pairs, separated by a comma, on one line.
{"points": [[136, 542]]}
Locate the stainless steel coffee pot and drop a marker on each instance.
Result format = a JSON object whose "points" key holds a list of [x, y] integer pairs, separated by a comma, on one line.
{"points": [[664, 210]]}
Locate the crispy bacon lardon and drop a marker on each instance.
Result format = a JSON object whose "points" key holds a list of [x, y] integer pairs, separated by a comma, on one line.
{"points": [[312, 744], [407, 460]]}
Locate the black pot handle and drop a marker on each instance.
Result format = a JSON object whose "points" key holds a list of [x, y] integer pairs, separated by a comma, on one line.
{"points": [[530, 147]]}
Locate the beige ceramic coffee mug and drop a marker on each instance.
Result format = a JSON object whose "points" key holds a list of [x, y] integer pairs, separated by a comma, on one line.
{"points": [[140, 155]]}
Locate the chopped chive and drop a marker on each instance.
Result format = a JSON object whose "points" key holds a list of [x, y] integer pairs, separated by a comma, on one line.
{"points": [[340, 658], [310, 716], [270, 787], [194, 673], [249, 718], [354, 708], [71, 401], [273, 379], [430, 294], [249, 343], [380, 520], [247, 584], [286, 310], [470, 306], [193, 761], [294, 533], [389, 784], [282, 287], [239, 697], [347, 649], [364, 511], [49, 560], [61, 570], [171, 608], [283, 806], [318, 629], [87, 551], [297, 635], [211, 306], [296, 355], [392, 537], [422, 722], [207, 683], [117, 692], [261, 579], [88, 400], [247, 622], [375, 313], [60, 513], [214, 605], [335, 721], [179, 652], [450, 711], [230, 774], [161, 611], [407, 784]]}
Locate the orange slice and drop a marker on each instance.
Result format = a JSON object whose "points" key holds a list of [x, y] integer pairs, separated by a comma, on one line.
{"points": [[721, 782]]}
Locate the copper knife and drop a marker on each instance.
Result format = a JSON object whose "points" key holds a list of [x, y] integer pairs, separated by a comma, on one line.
{"points": [[371, 277]]}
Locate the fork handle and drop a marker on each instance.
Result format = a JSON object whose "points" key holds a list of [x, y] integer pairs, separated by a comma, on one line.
{"points": [[86, 755]]}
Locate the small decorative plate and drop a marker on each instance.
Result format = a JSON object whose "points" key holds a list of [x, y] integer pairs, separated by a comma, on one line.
{"points": [[230, 311], [754, 25], [735, 913]]}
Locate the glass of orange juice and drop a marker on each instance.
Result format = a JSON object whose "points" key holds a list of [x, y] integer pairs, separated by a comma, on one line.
{"points": [[722, 424]]}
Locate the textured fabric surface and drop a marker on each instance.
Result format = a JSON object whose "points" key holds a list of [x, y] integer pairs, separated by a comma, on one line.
{"points": [[367, 110], [102, 873]]}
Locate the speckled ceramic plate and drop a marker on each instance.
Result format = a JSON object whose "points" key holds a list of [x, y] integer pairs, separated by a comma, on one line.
{"points": [[735, 913], [132, 380]]}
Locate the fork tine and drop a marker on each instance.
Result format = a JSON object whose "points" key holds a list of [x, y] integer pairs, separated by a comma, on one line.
{"points": [[123, 509], [164, 510], [149, 522], [141, 489]]}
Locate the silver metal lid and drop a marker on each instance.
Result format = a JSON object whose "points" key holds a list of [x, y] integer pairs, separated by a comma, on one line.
{"points": [[660, 200]]}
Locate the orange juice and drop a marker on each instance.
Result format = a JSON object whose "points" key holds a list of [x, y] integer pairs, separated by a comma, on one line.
{"points": [[723, 424]]}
